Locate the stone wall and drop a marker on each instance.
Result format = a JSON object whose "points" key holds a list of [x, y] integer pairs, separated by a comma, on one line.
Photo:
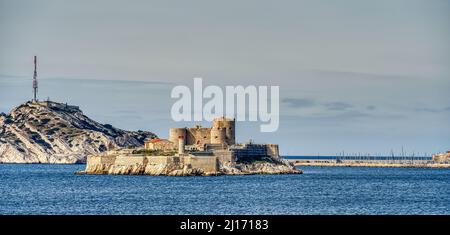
{"points": [[161, 144], [272, 150], [198, 135], [188, 165], [156, 160], [152, 165], [206, 163], [124, 160], [250, 150], [99, 164], [225, 157]]}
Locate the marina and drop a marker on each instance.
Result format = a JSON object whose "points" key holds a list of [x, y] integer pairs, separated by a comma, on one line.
{"points": [[370, 161]]}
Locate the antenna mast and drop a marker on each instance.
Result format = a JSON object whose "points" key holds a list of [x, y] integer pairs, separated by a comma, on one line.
{"points": [[35, 83]]}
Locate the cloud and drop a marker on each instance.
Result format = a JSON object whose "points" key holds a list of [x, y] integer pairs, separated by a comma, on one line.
{"points": [[126, 111], [339, 106], [427, 110], [13, 76], [432, 110], [299, 102], [371, 107], [350, 75], [348, 115]]}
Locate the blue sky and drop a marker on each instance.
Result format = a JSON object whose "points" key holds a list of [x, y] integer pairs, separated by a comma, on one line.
{"points": [[358, 76]]}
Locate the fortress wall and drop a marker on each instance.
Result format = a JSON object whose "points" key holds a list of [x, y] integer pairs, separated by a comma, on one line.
{"points": [[156, 160], [218, 135], [200, 135], [124, 160], [272, 150], [94, 160], [208, 164], [99, 159], [251, 150], [164, 145], [108, 160], [174, 160], [225, 157], [97, 164]]}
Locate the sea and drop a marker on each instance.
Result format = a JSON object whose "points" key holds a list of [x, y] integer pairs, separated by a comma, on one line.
{"points": [[42, 189]]}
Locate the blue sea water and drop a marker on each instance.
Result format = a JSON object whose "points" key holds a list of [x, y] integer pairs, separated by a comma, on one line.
{"points": [[55, 189]]}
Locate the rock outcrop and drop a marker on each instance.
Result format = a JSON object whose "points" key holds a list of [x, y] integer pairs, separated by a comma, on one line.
{"points": [[261, 168], [128, 164], [51, 132]]}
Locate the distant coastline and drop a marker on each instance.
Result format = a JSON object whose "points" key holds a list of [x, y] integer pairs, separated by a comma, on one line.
{"points": [[388, 163], [439, 160]]}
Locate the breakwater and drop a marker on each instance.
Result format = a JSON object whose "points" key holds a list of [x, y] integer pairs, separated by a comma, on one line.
{"points": [[339, 162]]}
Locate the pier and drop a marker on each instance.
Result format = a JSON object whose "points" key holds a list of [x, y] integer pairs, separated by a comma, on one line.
{"points": [[369, 161]]}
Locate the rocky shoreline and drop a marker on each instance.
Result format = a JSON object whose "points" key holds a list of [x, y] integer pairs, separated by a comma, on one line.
{"points": [[178, 169]]}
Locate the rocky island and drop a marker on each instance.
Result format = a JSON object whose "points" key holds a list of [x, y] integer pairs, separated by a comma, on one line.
{"points": [[52, 132], [193, 151]]}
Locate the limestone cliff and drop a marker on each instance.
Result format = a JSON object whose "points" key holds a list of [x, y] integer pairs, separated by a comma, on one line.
{"points": [[51, 132]]}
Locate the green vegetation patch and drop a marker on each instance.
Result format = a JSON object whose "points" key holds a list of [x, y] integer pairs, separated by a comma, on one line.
{"points": [[148, 152]]}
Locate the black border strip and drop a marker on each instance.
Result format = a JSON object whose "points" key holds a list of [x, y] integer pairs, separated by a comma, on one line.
{"points": [[148, 224]]}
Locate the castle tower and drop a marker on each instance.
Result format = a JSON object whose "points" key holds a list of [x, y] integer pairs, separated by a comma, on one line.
{"points": [[218, 135], [175, 133], [223, 131], [230, 128]]}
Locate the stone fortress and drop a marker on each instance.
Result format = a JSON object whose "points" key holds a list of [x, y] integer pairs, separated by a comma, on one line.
{"points": [[219, 136], [194, 151], [217, 141]]}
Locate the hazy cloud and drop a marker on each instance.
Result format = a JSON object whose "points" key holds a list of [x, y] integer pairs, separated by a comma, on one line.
{"points": [[432, 110], [338, 106], [299, 102], [350, 75], [371, 107]]}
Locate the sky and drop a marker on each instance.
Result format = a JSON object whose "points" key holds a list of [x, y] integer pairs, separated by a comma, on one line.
{"points": [[354, 76]]}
